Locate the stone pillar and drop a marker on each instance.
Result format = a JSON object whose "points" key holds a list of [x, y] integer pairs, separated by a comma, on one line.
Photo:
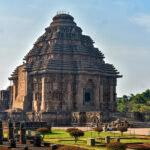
{"points": [[43, 95], [22, 139], [118, 139], [111, 98], [10, 130], [37, 141], [101, 96], [15, 130], [1, 133], [107, 139], [111, 94], [91, 142], [12, 143], [15, 92]]}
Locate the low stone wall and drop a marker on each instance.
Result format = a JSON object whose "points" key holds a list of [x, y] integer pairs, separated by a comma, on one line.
{"points": [[57, 118], [15, 116], [132, 115], [69, 118]]}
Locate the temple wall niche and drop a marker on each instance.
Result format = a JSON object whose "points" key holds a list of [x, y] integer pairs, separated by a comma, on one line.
{"points": [[91, 84]]}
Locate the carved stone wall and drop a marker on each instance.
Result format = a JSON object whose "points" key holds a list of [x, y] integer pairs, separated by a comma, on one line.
{"points": [[19, 89]]}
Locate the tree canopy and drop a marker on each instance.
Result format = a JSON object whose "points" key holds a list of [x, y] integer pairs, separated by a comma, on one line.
{"points": [[135, 103]]}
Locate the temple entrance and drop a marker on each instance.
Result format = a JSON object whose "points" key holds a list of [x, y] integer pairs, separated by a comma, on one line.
{"points": [[87, 96]]}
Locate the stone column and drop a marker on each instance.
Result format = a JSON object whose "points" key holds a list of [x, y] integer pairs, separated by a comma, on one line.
{"points": [[43, 95], [10, 130], [22, 139], [37, 141], [111, 97], [107, 139], [1, 133], [101, 97], [15, 92]]}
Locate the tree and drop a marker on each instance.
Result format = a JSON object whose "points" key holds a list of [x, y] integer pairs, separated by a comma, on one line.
{"points": [[71, 129], [122, 129], [76, 134], [98, 129], [43, 131], [135, 103], [139, 99]]}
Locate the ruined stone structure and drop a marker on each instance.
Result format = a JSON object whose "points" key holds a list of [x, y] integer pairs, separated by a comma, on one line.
{"points": [[6, 98], [64, 74]]}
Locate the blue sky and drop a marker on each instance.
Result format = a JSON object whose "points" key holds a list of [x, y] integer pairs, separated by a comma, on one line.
{"points": [[120, 29]]}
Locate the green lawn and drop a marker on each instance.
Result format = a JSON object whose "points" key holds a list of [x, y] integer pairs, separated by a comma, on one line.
{"points": [[58, 133], [61, 137]]}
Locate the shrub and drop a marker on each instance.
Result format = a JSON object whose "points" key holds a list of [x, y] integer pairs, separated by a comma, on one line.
{"points": [[76, 133], [43, 131], [116, 146], [71, 129], [70, 148], [98, 129], [122, 129]]}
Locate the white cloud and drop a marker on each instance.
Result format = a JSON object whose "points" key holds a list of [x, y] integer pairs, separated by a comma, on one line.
{"points": [[142, 20]]}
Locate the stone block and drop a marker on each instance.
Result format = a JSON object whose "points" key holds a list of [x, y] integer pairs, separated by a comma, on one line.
{"points": [[54, 147], [107, 139], [91, 142]]}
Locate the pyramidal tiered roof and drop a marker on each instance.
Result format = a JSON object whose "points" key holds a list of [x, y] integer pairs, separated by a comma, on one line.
{"points": [[63, 48]]}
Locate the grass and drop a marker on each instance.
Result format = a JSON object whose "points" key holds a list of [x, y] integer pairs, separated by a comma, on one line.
{"points": [[59, 136], [59, 133]]}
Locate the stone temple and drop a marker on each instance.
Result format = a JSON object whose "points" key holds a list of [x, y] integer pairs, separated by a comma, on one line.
{"points": [[64, 78]]}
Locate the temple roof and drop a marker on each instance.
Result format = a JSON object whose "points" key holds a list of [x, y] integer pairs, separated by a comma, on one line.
{"points": [[63, 48]]}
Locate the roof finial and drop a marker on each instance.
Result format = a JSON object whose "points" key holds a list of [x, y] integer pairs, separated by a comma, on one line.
{"points": [[62, 12]]}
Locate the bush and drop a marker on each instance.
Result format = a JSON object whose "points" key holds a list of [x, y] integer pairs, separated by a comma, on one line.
{"points": [[43, 131], [71, 129], [76, 133], [71, 148], [98, 129], [116, 146], [122, 129]]}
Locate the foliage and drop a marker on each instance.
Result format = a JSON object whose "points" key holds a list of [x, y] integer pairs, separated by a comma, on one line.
{"points": [[116, 146], [43, 131], [76, 133], [98, 129], [135, 103], [122, 129], [71, 129], [70, 148]]}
